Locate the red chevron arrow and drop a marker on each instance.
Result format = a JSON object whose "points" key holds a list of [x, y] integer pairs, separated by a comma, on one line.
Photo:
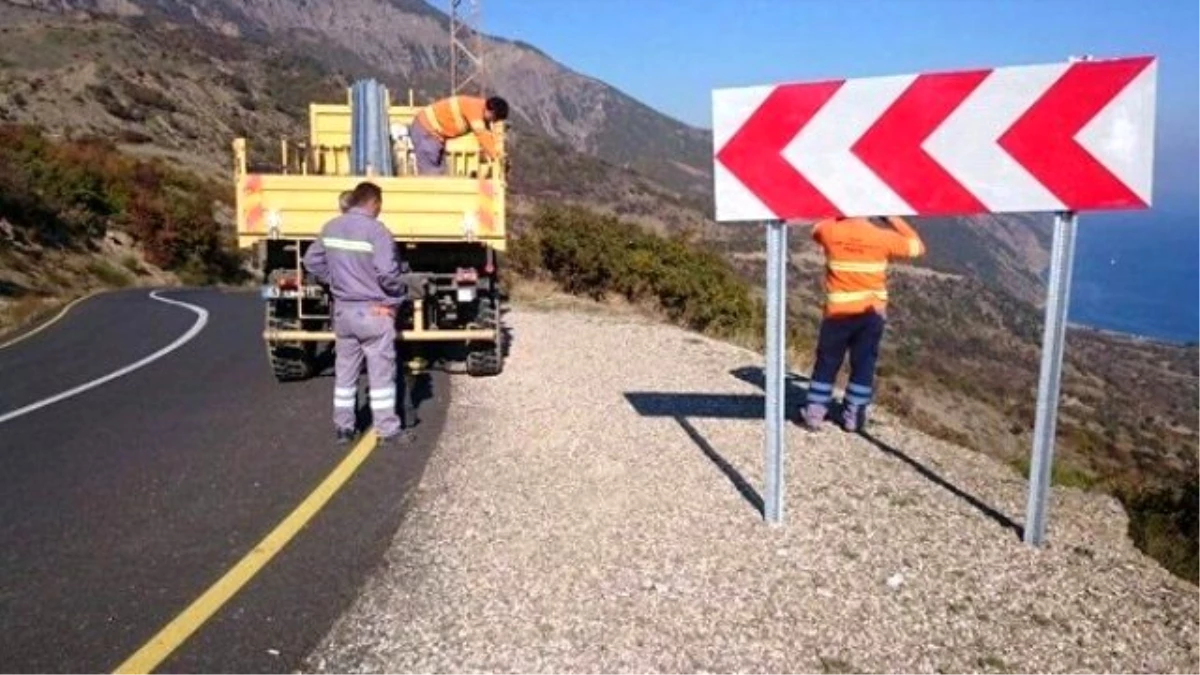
{"points": [[892, 146], [1043, 139], [754, 153]]}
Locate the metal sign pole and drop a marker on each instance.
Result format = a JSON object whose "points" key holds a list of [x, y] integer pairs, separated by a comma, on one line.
{"points": [[777, 253], [1058, 293]]}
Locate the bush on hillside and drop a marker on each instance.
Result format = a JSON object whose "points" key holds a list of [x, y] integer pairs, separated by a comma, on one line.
{"points": [[1164, 523], [594, 255], [67, 194]]}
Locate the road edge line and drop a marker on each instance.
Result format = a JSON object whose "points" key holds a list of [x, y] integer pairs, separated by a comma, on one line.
{"points": [[201, 322], [175, 633], [50, 322]]}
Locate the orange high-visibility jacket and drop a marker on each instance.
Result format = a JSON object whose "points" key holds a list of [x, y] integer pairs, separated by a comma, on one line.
{"points": [[458, 116], [856, 257]]}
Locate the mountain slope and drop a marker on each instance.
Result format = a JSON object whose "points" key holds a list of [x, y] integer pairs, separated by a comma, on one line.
{"points": [[404, 42], [183, 92]]}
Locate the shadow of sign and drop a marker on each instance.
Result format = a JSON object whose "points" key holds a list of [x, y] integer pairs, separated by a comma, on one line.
{"points": [[680, 407], [794, 391]]}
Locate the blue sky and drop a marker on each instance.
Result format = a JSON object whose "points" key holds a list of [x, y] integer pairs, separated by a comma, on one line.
{"points": [[672, 53]]}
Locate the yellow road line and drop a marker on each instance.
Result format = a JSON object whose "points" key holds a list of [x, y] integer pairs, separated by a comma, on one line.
{"points": [[189, 621], [51, 322]]}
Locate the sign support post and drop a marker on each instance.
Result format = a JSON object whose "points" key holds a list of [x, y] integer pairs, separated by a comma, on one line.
{"points": [[777, 254], [1058, 295]]}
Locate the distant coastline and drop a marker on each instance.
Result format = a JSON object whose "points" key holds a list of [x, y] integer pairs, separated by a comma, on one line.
{"points": [[1138, 274], [1131, 337]]}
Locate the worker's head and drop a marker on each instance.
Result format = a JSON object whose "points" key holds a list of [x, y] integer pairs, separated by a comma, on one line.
{"points": [[495, 109], [368, 197], [344, 200]]}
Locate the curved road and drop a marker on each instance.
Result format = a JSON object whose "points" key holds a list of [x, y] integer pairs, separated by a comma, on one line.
{"points": [[121, 505]]}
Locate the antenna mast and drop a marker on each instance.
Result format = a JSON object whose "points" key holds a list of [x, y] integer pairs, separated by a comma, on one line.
{"points": [[466, 48]]}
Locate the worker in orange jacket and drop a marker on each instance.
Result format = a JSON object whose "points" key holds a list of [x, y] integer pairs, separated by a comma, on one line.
{"points": [[857, 252], [453, 117]]}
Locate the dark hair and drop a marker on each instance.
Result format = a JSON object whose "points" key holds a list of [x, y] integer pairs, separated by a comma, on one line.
{"points": [[499, 107], [364, 192]]}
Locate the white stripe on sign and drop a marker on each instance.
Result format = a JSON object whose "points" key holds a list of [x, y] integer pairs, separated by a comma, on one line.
{"points": [[201, 321], [966, 142], [1121, 136], [735, 198], [731, 109], [821, 151]]}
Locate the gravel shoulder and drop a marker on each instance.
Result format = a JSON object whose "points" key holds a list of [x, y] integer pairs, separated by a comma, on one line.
{"points": [[591, 510]]}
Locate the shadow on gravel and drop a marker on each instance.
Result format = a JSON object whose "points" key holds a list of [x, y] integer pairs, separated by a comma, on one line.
{"points": [[794, 387], [931, 476], [680, 407], [794, 391]]}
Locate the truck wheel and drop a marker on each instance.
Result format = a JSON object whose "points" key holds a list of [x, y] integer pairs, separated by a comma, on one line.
{"points": [[290, 361], [487, 359]]}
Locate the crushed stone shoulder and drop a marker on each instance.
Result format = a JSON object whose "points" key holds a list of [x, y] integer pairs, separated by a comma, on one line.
{"points": [[591, 510]]}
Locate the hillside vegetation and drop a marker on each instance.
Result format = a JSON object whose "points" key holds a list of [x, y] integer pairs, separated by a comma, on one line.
{"points": [[68, 195], [594, 255]]}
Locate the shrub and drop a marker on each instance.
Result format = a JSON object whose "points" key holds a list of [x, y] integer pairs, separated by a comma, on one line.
{"points": [[134, 137], [1064, 473], [1164, 523], [108, 274], [67, 194], [148, 97], [593, 255]]}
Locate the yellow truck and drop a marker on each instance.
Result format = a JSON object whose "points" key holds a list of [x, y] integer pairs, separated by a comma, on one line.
{"points": [[448, 230]]}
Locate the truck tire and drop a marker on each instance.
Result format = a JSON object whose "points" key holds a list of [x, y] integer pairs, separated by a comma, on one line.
{"points": [[487, 359], [290, 361]]}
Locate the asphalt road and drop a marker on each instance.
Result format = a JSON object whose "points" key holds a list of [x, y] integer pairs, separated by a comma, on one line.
{"points": [[121, 505]]}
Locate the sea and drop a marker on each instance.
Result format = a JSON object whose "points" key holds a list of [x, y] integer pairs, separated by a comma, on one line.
{"points": [[1138, 273]]}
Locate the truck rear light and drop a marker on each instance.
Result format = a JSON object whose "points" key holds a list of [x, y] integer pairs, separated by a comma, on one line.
{"points": [[289, 282], [466, 275]]}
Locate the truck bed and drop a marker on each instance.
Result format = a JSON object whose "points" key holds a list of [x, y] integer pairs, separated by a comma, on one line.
{"points": [[468, 204], [415, 209]]}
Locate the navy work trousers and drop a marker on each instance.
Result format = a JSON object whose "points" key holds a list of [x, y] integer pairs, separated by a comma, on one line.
{"points": [[429, 150], [860, 335]]}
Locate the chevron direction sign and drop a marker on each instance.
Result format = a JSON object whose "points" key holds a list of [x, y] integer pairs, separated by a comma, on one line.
{"points": [[1062, 137]]}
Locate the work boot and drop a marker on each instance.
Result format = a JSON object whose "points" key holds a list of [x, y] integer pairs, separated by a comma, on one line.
{"points": [[344, 436], [813, 416], [853, 417], [402, 437]]}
